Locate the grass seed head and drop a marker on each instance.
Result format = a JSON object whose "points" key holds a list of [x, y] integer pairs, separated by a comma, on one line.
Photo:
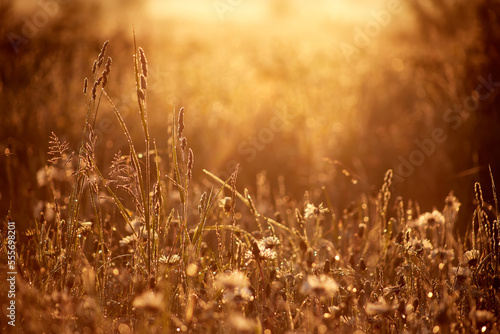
{"points": [[183, 143], [180, 128], [94, 67], [144, 62], [103, 51], [479, 193], [190, 164], [144, 84]]}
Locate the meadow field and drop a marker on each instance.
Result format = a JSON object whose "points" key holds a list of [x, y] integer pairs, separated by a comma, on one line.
{"points": [[249, 167]]}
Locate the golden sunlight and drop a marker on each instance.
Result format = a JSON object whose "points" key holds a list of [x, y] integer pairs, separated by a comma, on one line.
{"points": [[249, 166]]}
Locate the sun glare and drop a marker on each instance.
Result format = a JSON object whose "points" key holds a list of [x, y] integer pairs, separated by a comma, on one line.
{"points": [[247, 11]]}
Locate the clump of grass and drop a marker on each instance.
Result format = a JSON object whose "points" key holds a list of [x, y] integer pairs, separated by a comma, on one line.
{"points": [[149, 247]]}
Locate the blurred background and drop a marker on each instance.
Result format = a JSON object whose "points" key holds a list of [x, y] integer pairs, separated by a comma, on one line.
{"points": [[291, 90]]}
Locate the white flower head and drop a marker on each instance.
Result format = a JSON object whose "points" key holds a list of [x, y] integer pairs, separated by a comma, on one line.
{"points": [[430, 219], [320, 286], [235, 286], [149, 301], [313, 211]]}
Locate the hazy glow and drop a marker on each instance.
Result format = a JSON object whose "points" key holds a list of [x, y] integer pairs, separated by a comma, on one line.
{"points": [[213, 10]]}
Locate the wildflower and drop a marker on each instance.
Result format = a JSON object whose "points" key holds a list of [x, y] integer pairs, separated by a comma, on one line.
{"points": [[232, 280], [128, 240], [136, 223], [264, 249], [419, 245], [320, 286], [235, 286], [149, 301], [269, 242], [312, 211], [430, 219], [441, 254], [451, 202], [461, 275], [472, 257], [171, 260]]}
